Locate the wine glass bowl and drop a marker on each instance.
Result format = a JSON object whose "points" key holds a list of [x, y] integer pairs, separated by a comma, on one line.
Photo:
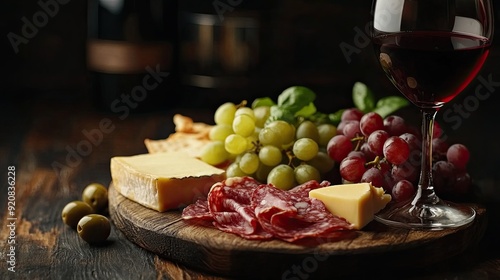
{"points": [[430, 51]]}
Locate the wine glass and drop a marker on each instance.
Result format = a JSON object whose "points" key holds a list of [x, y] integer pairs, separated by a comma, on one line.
{"points": [[430, 50]]}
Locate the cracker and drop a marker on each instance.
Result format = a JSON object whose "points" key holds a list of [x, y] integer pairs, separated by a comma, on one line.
{"points": [[190, 137]]}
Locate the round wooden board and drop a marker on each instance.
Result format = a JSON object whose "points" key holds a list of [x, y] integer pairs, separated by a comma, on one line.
{"points": [[371, 250]]}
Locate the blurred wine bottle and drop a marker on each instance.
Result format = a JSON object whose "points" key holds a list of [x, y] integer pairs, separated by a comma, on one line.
{"points": [[221, 50], [131, 54]]}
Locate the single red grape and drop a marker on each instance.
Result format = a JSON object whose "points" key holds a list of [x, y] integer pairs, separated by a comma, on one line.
{"points": [[395, 125], [352, 169], [403, 190], [351, 129], [374, 176], [458, 155], [396, 150], [444, 175], [339, 147], [376, 142], [439, 148], [414, 143], [405, 171], [463, 184], [370, 122], [351, 114]]}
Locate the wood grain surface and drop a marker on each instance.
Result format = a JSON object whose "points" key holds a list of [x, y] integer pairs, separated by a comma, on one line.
{"points": [[205, 248], [38, 133]]}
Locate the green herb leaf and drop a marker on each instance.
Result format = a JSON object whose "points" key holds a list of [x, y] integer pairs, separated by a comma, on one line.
{"points": [[363, 97], [336, 117], [279, 113], [293, 99], [390, 104], [306, 111], [263, 101]]}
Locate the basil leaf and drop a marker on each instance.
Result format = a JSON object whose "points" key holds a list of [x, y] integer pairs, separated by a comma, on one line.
{"points": [[264, 101], [390, 104], [336, 117], [306, 111], [363, 97], [293, 99], [279, 113], [319, 118]]}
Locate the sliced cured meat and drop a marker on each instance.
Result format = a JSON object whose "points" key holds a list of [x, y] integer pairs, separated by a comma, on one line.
{"points": [[229, 202], [252, 210], [197, 210], [293, 215]]}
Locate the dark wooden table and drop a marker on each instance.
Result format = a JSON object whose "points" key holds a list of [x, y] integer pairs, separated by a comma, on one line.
{"points": [[57, 148]]}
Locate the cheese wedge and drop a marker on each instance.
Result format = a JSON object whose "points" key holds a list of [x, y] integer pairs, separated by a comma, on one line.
{"points": [[357, 203], [163, 181]]}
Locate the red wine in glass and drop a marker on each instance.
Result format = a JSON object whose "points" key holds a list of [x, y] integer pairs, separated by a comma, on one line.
{"points": [[431, 68], [430, 50]]}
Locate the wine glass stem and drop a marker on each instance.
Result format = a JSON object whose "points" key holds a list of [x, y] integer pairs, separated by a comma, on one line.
{"points": [[425, 192]]}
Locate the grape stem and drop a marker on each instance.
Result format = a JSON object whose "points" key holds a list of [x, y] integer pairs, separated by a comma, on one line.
{"points": [[375, 162], [243, 103], [359, 141]]}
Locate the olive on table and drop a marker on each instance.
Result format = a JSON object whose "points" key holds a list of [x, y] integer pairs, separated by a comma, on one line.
{"points": [[74, 211], [94, 228], [96, 195]]}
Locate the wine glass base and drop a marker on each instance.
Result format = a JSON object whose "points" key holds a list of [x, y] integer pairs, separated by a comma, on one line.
{"points": [[438, 216]]}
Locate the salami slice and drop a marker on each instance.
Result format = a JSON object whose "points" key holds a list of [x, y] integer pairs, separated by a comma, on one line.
{"points": [[197, 210], [252, 210], [292, 215], [229, 202]]}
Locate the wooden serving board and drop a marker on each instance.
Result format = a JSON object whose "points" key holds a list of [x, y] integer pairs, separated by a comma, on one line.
{"points": [[374, 249]]}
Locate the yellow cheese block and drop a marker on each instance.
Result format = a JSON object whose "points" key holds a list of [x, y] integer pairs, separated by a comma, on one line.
{"points": [[163, 181], [357, 203]]}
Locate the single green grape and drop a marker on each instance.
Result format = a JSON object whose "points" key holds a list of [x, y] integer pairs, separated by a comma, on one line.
{"points": [[307, 129], [220, 132], [267, 136], [245, 111], [284, 130], [249, 163], [214, 153], [261, 113], [262, 172], [282, 177], [225, 113], [233, 170], [322, 162], [305, 149], [305, 172], [235, 144], [243, 125], [270, 155], [252, 141], [326, 132]]}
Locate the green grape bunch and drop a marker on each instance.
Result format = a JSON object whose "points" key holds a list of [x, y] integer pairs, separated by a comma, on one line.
{"points": [[283, 143]]}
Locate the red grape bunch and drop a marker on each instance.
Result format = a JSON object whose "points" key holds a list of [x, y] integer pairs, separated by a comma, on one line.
{"points": [[387, 153]]}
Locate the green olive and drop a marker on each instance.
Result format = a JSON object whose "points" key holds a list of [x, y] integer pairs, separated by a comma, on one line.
{"points": [[94, 228], [74, 211], [96, 195]]}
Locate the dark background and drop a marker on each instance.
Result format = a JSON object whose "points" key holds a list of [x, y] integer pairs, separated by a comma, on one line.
{"points": [[299, 45]]}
